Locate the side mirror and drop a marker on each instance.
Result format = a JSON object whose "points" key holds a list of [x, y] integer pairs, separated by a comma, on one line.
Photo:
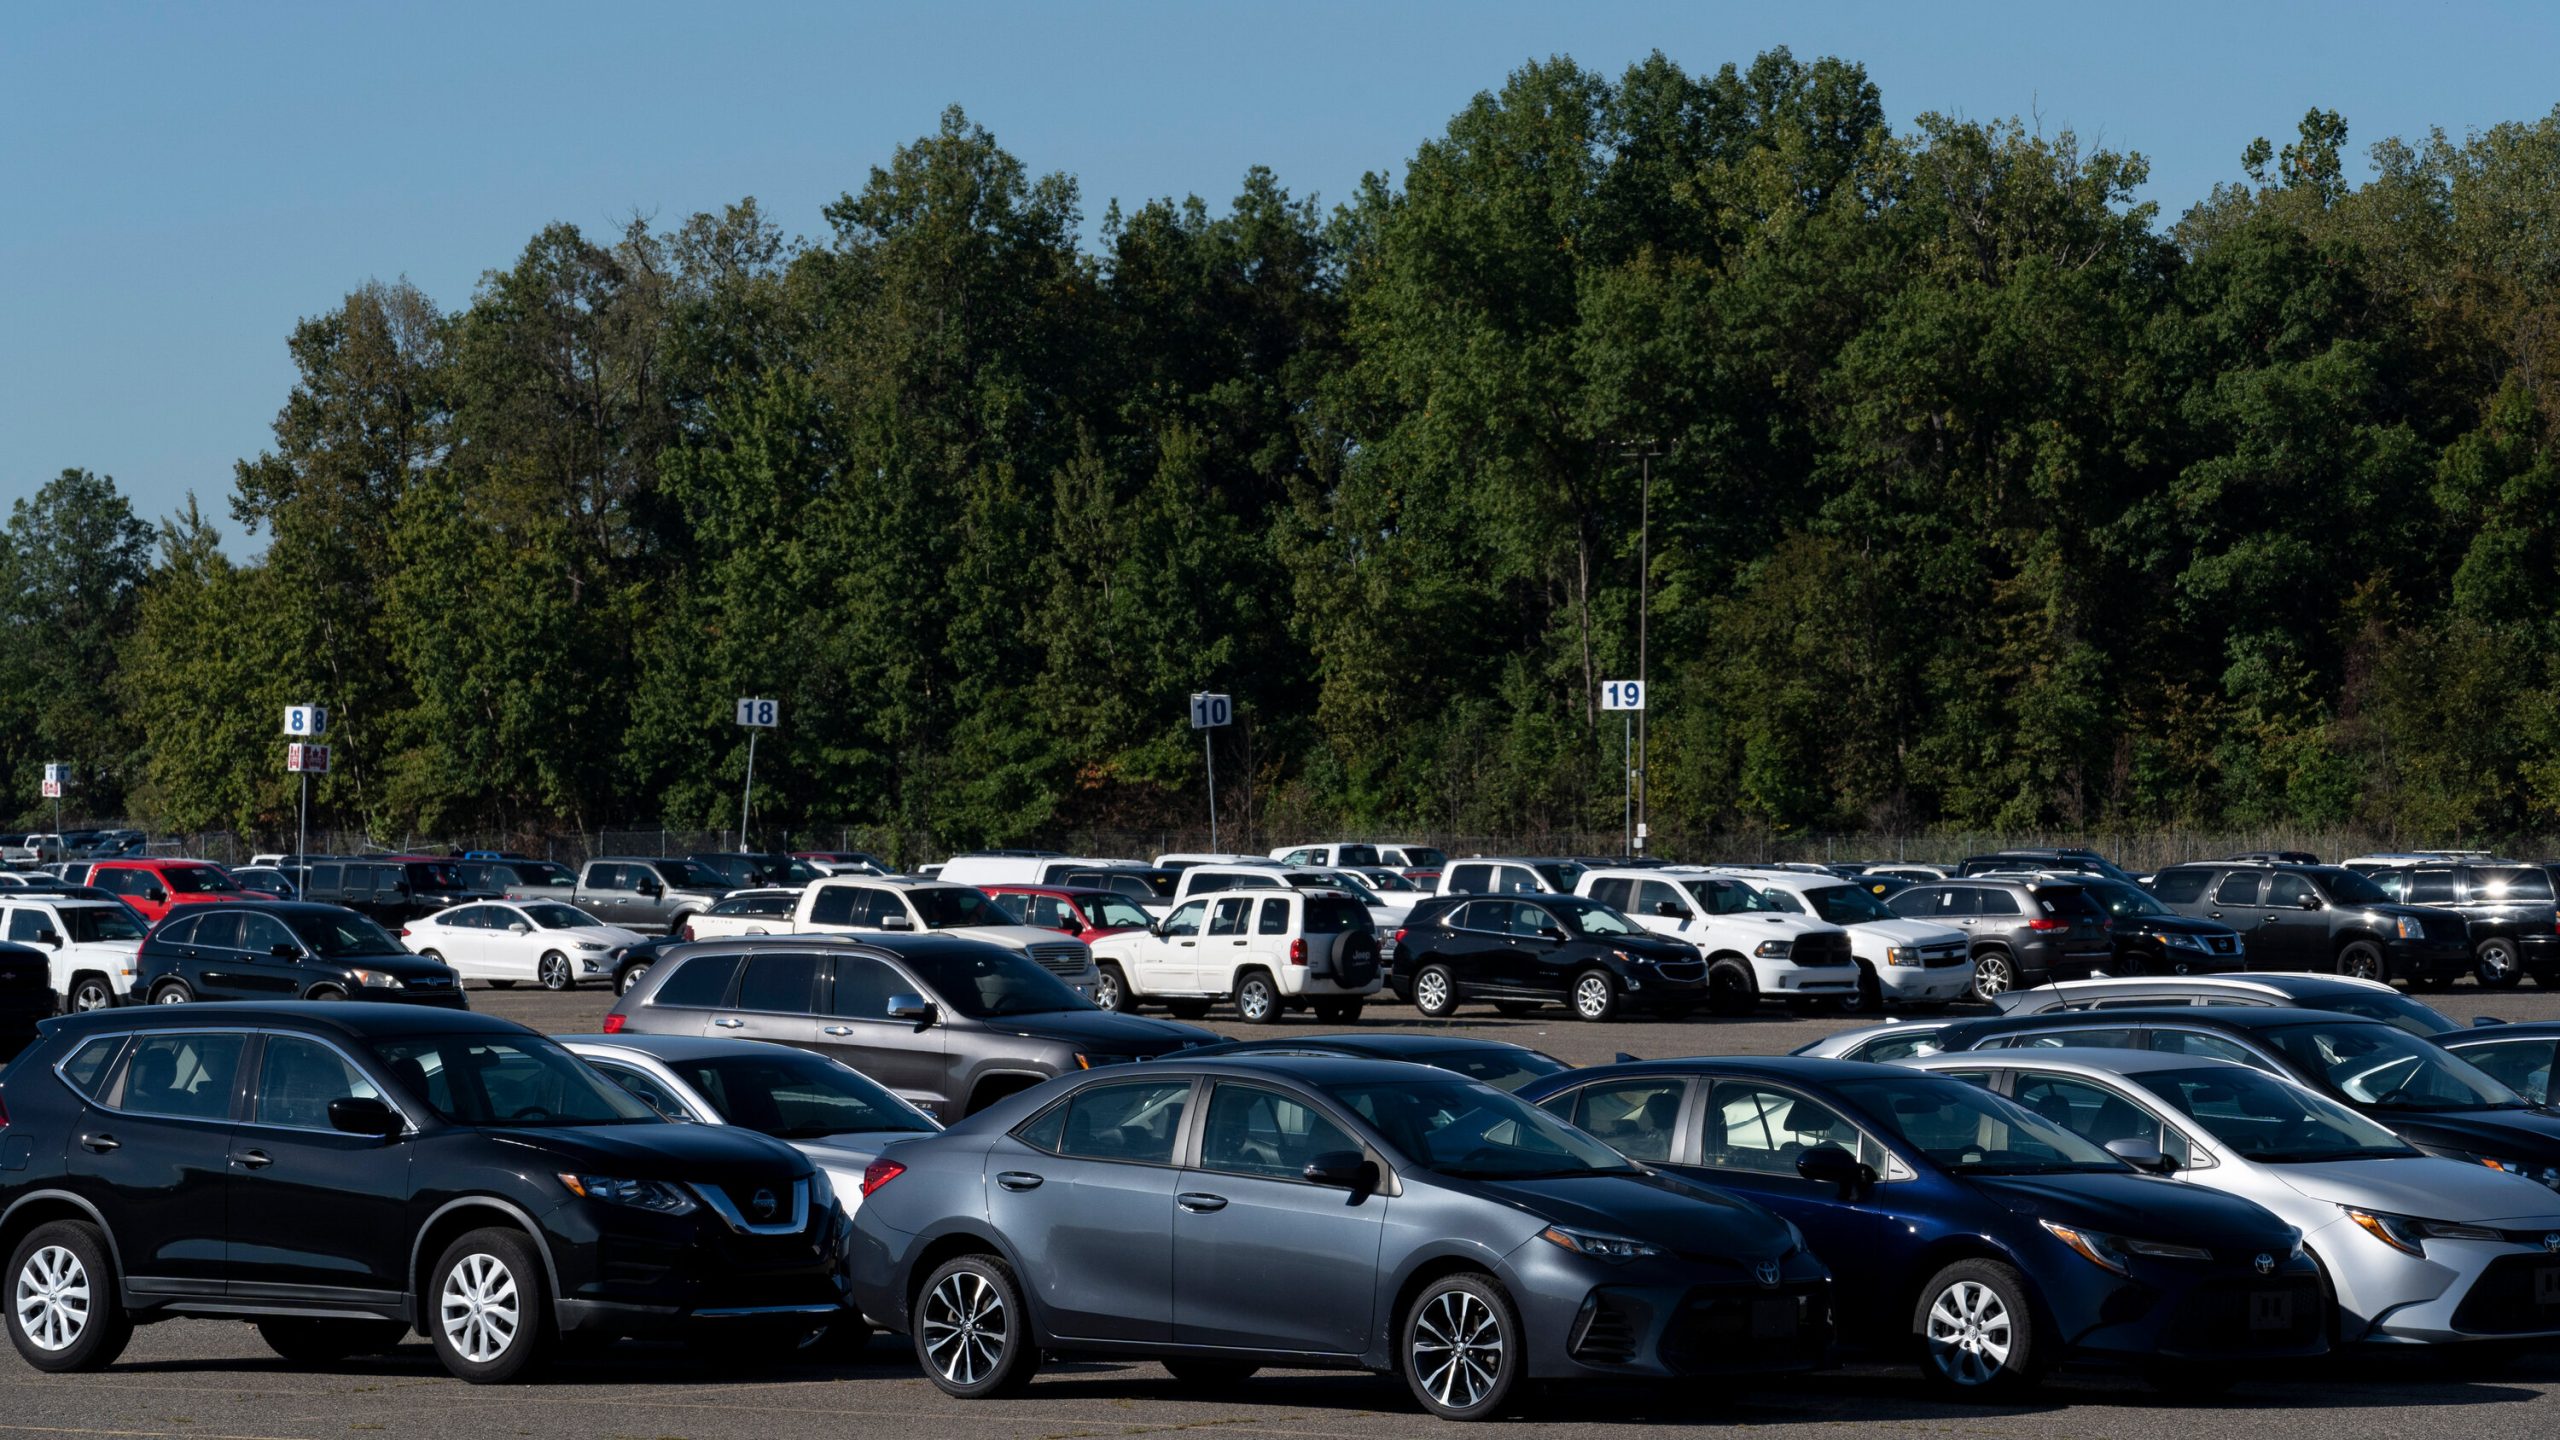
{"points": [[283, 951], [156, 895], [519, 928], [912, 1007], [896, 922], [1343, 1170], [1669, 910], [1831, 1165], [49, 937], [1549, 932], [2142, 1155], [358, 1116], [2311, 902], [652, 889], [1156, 928]]}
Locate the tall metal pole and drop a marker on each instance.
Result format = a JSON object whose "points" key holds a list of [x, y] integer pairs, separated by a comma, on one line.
{"points": [[1627, 775], [750, 794], [1643, 452], [1209, 754], [302, 829]]}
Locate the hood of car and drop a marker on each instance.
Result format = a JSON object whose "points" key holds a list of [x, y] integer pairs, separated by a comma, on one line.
{"points": [[2530, 1135], [1659, 1209], [1910, 932], [2146, 1207], [2428, 1187], [400, 963], [606, 935], [1020, 937], [1103, 1032], [718, 1154]]}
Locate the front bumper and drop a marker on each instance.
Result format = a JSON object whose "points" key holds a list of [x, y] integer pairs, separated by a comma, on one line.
{"points": [[630, 1272], [2428, 959], [2211, 1314], [1675, 1316], [2460, 1290], [1944, 979]]}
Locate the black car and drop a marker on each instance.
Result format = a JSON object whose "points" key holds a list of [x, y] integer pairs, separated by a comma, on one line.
{"points": [[2514, 923], [952, 1025], [741, 871], [285, 950], [2419, 1089], [1524, 951], [2152, 939], [1497, 1063], [2320, 917], [2517, 1056], [392, 891], [339, 1174], [26, 996]]}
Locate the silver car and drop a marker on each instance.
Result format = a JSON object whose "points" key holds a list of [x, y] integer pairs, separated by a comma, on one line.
{"points": [[1893, 1040], [826, 1110], [2417, 1249]]}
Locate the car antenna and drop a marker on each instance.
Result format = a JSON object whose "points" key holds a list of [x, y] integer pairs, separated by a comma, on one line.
{"points": [[1626, 1059]]}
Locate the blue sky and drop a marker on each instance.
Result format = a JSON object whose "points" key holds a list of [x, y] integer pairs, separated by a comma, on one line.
{"points": [[179, 183]]}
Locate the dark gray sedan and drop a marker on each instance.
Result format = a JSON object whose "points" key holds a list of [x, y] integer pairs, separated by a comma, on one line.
{"points": [[1224, 1215]]}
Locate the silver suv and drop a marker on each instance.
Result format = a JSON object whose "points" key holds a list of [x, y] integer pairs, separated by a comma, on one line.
{"points": [[2024, 932]]}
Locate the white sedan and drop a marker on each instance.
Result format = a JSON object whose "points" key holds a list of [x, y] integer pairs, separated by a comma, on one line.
{"points": [[506, 942]]}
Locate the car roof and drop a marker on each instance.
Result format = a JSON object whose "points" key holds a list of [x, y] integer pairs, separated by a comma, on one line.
{"points": [[1806, 1069], [1316, 1070], [673, 1047], [286, 907], [1380, 1047], [357, 1019], [2225, 1017], [1031, 887], [2093, 1059]]}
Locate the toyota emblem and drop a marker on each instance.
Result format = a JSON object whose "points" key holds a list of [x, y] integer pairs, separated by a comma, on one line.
{"points": [[2551, 1242], [764, 1204], [1767, 1271], [2266, 1263]]}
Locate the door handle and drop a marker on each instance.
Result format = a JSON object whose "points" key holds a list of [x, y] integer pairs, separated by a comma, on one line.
{"points": [[730, 1024], [837, 1030], [1019, 1180], [1199, 1204], [253, 1159], [100, 1144], [1187, 944]]}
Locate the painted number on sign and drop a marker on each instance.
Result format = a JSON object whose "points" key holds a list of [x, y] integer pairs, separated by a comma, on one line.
{"points": [[305, 720], [762, 714], [1208, 712], [1622, 695]]}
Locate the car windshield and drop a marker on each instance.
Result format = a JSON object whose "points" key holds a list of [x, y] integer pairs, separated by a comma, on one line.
{"points": [[2122, 899], [2260, 1117], [507, 1080], [1467, 1131], [2345, 886], [1561, 875], [986, 983], [1972, 1131], [1342, 880], [540, 872], [1588, 917], [1423, 857], [796, 1096], [556, 916], [1389, 881], [199, 880], [332, 936], [88, 924], [957, 907], [2381, 1065], [1501, 1067], [1115, 913], [1839, 904], [427, 878], [687, 875]]}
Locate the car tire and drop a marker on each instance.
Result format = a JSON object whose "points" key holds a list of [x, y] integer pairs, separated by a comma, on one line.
{"points": [[555, 972], [64, 1314], [1994, 975], [90, 992], [624, 983], [328, 994], [1435, 992], [1111, 989], [1595, 997], [972, 1330], [1867, 998], [171, 992], [1459, 1349], [487, 1310], [1196, 1374], [1338, 1012], [326, 1342], [2497, 965], [1257, 998], [1732, 990], [1977, 1330], [2362, 960]]}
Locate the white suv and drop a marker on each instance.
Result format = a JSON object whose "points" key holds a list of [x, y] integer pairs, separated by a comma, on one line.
{"points": [[93, 943], [1755, 948], [1483, 875], [1913, 962], [869, 905], [1266, 950]]}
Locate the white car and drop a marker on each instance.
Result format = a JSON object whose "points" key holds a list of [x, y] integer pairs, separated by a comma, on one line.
{"points": [[93, 943], [1756, 949], [1184, 860], [1507, 875], [1914, 962], [1267, 950], [848, 905], [767, 911], [508, 942]]}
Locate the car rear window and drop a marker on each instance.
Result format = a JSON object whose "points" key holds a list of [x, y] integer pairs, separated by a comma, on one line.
{"points": [[2520, 883], [1333, 915], [2180, 887], [2067, 900]]}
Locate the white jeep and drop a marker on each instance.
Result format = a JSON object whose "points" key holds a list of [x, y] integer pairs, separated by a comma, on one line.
{"points": [[1266, 951]]}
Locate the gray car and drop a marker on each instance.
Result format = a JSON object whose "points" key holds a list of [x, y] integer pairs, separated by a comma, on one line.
{"points": [[950, 1025], [1224, 1215], [2023, 931], [654, 896]]}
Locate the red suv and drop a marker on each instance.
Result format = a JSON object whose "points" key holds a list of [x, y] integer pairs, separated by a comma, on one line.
{"points": [[153, 887], [1081, 912]]}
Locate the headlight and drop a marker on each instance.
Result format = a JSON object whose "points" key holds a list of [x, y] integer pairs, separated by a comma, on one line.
{"points": [[822, 1190], [2115, 1252], [1774, 949], [1901, 955], [2182, 942], [1796, 1242], [376, 979], [1629, 957], [2408, 1234], [2412, 928], [1617, 1249], [653, 1195], [2547, 1174]]}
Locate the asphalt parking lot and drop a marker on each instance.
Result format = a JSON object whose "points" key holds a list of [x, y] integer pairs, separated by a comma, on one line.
{"points": [[216, 1379]]}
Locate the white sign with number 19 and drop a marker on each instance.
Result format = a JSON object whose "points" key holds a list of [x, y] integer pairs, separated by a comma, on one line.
{"points": [[1622, 695]]}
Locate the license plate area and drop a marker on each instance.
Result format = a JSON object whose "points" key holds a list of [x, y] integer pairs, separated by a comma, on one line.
{"points": [[2271, 1310], [2546, 1286], [1773, 1319]]}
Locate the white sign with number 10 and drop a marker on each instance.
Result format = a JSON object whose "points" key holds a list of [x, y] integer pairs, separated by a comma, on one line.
{"points": [[1208, 712], [761, 714], [1622, 695]]}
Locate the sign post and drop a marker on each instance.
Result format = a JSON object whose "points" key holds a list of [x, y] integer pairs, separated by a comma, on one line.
{"points": [[57, 778], [305, 723], [1211, 712], [758, 716], [1627, 698]]}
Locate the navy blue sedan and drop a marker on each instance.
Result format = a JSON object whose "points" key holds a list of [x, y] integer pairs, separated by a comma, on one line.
{"points": [[1985, 1239]]}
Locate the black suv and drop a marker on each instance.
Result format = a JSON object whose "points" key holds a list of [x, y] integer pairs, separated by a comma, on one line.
{"points": [[393, 891], [951, 1025], [1523, 951], [285, 950], [2508, 905], [340, 1174], [26, 996], [2320, 917], [2152, 939]]}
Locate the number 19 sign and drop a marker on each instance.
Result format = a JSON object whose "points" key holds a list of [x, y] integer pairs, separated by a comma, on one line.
{"points": [[760, 714], [1622, 695]]}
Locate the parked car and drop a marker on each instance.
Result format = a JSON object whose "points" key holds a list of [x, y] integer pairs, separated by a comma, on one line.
{"points": [[1876, 1044], [2152, 939], [741, 871], [516, 878], [2023, 931], [1414, 860], [337, 1174], [876, 905], [265, 880], [2517, 1056], [2508, 908], [1755, 948], [1518, 1249], [2366, 999], [27, 996], [838, 1117], [1520, 952], [745, 912], [654, 896], [845, 862], [1393, 886], [2012, 861], [989, 868], [1497, 1063], [286, 950], [2421, 1091], [2320, 917], [1991, 1241], [1478, 875], [947, 1023], [1913, 962], [2277, 857], [90, 945], [1087, 914], [1335, 855], [1903, 870], [2414, 1249], [391, 890], [513, 942], [155, 887], [1266, 952]]}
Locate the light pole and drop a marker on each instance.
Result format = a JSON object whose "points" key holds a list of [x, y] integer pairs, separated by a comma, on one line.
{"points": [[1643, 451]]}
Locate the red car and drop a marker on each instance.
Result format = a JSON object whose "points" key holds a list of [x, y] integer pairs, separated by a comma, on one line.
{"points": [[154, 887], [1083, 913]]}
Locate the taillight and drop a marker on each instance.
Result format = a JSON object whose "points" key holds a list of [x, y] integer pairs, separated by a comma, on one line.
{"points": [[879, 1173], [1400, 936], [1298, 952], [2048, 924], [613, 1024], [404, 932]]}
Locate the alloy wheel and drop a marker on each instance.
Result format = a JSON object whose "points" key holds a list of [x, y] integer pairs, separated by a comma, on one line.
{"points": [[1458, 1349], [1253, 1000], [1990, 976], [481, 1315], [966, 1328], [1106, 990], [1591, 997], [170, 995], [52, 1298], [91, 995], [555, 972], [1431, 991], [1970, 1334]]}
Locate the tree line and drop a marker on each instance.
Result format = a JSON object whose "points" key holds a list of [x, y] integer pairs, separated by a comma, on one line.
{"points": [[1983, 497]]}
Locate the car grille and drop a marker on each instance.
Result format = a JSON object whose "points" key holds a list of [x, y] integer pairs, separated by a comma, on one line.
{"points": [[1068, 960], [1606, 1331], [2222, 944], [1938, 957], [1820, 950], [1683, 972], [2502, 1300], [1737, 1329], [429, 982]]}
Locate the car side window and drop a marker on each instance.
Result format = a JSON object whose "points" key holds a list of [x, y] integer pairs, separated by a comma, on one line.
{"points": [[2431, 887], [1612, 893], [261, 934], [189, 1075], [781, 983], [1274, 919], [2287, 892], [834, 906], [297, 1080], [1137, 1122], [1514, 880], [2523, 1065], [1763, 1130], [700, 982], [1996, 902], [26, 924], [644, 1087], [1253, 1131], [1531, 922], [1635, 1118], [2180, 887], [181, 931], [2091, 1111], [1185, 919], [1229, 917], [86, 1068], [1662, 902], [1471, 879], [2240, 887], [1916, 903], [2125, 1039], [2197, 1042], [219, 932], [865, 986]]}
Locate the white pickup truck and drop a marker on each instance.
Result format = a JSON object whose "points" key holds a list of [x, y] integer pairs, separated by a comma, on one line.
{"points": [[873, 905], [1267, 950], [92, 942], [1755, 949]]}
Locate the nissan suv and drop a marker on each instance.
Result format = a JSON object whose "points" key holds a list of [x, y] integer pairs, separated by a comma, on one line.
{"points": [[2320, 917], [2024, 931]]}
